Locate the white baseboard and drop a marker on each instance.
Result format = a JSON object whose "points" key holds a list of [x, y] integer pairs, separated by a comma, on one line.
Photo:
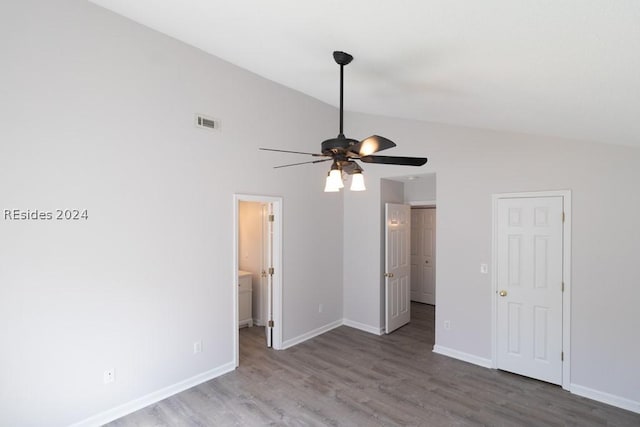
{"points": [[151, 398], [308, 335], [363, 327], [609, 399], [460, 355]]}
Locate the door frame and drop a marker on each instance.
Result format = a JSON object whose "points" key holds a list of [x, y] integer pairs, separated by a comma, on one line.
{"points": [[276, 201], [566, 276]]}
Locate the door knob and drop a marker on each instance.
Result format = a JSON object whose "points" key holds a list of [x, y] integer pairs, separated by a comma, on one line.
{"points": [[388, 274], [503, 293], [426, 262]]}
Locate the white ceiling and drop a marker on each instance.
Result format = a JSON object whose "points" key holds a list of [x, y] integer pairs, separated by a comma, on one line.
{"points": [[568, 68]]}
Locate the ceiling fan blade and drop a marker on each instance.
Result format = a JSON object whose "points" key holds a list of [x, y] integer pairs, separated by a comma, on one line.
{"points": [[294, 152], [371, 145], [301, 163], [392, 160]]}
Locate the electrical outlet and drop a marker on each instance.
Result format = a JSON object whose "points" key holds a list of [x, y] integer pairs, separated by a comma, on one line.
{"points": [[320, 308], [447, 324], [109, 376], [484, 268], [197, 347]]}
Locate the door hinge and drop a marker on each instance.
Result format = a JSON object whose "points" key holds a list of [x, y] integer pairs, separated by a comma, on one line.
{"points": [[562, 356], [271, 218], [270, 323], [271, 271]]}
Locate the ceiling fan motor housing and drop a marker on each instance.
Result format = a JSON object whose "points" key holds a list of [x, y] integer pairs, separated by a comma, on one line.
{"points": [[337, 145]]}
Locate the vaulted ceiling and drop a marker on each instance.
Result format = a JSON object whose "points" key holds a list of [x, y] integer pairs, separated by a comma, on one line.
{"points": [[567, 68]]}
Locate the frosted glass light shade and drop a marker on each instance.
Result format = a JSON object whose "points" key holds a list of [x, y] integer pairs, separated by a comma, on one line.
{"points": [[334, 181], [336, 176], [357, 182], [330, 185]]}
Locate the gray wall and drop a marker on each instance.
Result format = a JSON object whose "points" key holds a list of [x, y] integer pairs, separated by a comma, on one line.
{"points": [[97, 113], [422, 189], [471, 165]]}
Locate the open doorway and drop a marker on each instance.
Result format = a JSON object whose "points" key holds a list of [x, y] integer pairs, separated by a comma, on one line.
{"points": [[417, 192], [257, 269]]}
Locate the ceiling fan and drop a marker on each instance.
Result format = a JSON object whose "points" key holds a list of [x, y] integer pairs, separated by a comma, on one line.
{"points": [[345, 151]]}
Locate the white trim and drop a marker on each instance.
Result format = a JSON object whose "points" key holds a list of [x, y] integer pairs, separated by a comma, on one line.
{"points": [[277, 264], [311, 334], [460, 355], [151, 398], [428, 203], [363, 327], [609, 399], [566, 275]]}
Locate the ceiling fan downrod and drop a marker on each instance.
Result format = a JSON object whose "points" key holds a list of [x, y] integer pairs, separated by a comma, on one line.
{"points": [[342, 59]]}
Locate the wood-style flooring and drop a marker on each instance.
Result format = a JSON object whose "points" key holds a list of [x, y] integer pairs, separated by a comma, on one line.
{"points": [[351, 378]]}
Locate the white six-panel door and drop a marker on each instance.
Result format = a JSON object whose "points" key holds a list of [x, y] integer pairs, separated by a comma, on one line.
{"points": [[529, 286], [397, 266], [423, 237]]}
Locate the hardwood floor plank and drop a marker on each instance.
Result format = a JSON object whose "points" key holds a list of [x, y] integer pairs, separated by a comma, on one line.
{"points": [[348, 377]]}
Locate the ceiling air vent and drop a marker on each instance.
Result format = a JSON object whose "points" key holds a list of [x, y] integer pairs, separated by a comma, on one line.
{"points": [[204, 122]]}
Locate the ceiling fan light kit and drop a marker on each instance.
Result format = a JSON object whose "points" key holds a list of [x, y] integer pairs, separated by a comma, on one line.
{"points": [[345, 151]]}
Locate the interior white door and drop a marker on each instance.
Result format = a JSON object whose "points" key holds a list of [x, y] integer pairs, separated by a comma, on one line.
{"points": [[268, 274], [423, 272], [397, 266], [529, 294]]}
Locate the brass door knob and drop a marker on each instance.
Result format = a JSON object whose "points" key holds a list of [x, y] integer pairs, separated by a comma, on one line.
{"points": [[503, 293], [388, 274]]}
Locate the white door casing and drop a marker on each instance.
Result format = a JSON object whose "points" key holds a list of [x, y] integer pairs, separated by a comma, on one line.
{"points": [[397, 266], [423, 229], [528, 256]]}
